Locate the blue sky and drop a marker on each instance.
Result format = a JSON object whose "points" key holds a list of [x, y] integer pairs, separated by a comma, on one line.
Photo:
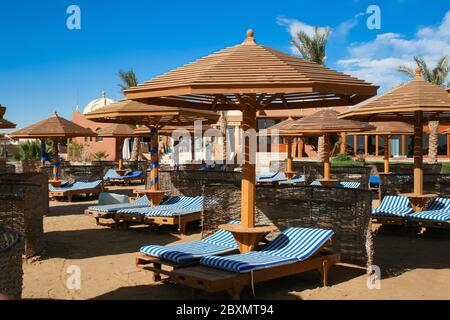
{"points": [[43, 64]]}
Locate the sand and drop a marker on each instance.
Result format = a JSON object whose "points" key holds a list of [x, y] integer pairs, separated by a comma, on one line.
{"points": [[413, 266]]}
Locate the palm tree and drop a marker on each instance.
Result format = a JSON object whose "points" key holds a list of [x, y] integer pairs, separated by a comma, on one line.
{"points": [[313, 48], [223, 124], [129, 79], [438, 75]]}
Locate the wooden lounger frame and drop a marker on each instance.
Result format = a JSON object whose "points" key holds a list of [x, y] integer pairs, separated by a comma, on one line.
{"points": [[69, 194], [428, 224], [398, 221], [125, 180], [214, 280], [97, 215], [180, 221]]}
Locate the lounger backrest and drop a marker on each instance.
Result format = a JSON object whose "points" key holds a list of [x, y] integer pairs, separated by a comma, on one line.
{"points": [[394, 202], [300, 243], [142, 200], [134, 174], [298, 178], [87, 184], [266, 175], [181, 202], [280, 176], [111, 173], [222, 237], [350, 184], [438, 204], [315, 183]]}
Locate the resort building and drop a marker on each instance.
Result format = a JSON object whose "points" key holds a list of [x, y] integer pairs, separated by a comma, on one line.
{"points": [[91, 145]]}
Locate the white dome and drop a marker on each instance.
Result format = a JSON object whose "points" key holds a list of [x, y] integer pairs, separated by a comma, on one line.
{"points": [[97, 103]]}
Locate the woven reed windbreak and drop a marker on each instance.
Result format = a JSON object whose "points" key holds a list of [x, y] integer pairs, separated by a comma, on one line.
{"points": [[11, 272], [346, 211], [394, 184], [23, 204], [7, 168]]}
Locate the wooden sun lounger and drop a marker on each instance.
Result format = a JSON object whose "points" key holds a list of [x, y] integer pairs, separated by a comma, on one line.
{"points": [[124, 181], [428, 224], [97, 215], [397, 221], [70, 193], [214, 280], [180, 221]]}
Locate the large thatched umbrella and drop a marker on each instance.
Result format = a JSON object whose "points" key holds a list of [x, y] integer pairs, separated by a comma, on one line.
{"points": [[413, 102], [251, 77], [322, 123], [119, 131], [154, 117], [5, 124], [53, 128], [387, 130]]}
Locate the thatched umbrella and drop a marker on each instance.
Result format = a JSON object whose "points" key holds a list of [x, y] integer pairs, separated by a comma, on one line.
{"points": [[251, 77], [387, 130], [154, 117], [413, 102], [119, 131], [53, 128], [322, 123], [5, 124]]}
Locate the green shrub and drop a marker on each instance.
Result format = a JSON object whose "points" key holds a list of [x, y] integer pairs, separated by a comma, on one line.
{"points": [[30, 150], [342, 157]]}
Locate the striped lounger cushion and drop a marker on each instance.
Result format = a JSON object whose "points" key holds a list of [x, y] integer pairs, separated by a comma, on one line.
{"points": [[278, 177], [218, 243], [141, 202], [77, 186], [294, 180], [175, 206], [294, 244], [394, 206], [437, 210], [350, 184]]}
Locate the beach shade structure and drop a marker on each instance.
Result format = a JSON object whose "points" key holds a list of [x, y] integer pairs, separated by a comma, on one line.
{"points": [[119, 131], [414, 102], [53, 128], [5, 124], [322, 123], [154, 117], [387, 130], [250, 77]]}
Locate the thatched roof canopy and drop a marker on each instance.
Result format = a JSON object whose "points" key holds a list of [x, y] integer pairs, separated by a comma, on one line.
{"points": [[53, 127], [279, 80], [5, 124], [400, 104], [134, 112], [390, 128], [319, 123], [117, 130]]}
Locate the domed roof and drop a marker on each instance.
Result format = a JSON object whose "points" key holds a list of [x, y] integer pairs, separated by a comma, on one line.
{"points": [[98, 103]]}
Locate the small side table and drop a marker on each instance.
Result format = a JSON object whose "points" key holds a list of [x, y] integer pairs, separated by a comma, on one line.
{"points": [[247, 238], [419, 201], [120, 172], [55, 183], [290, 174]]}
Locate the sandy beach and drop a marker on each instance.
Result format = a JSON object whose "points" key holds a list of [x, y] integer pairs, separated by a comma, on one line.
{"points": [[413, 266]]}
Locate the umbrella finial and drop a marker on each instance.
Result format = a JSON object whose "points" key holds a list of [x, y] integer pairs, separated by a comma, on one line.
{"points": [[419, 73], [250, 39], [55, 114]]}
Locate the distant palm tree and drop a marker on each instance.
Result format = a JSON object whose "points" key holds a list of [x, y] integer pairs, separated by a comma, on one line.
{"points": [[438, 75], [129, 80], [313, 48]]}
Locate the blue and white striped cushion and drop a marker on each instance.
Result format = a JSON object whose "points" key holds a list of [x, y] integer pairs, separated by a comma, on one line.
{"points": [[431, 215], [315, 183], [218, 243], [397, 206], [294, 244], [350, 184], [295, 180], [141, 202], [438, 204], [174, 206], [76, 186], [278, 177], [266, 175]]}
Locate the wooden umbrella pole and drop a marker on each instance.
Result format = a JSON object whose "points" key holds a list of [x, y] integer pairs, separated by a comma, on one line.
{"points": [[386, 153], [343, 149], [418, 150], [55, 159], [248, 189], [120, 154], [289, 169], [42, 151], [154, 162], [326, 156]]}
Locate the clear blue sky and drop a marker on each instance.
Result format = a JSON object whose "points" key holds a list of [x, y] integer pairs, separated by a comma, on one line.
{"points": [[43, 64]]}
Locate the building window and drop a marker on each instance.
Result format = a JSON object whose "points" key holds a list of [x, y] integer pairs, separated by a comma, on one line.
{"points": [[98, 139], [349, 144], [360, 145], [372, 145], [442, 145]]}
